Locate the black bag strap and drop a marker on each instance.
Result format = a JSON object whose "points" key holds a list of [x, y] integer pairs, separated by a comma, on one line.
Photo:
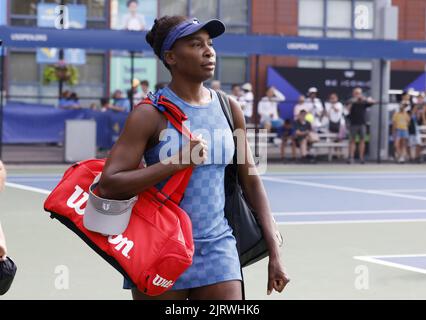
{"points": [[226, 108]]}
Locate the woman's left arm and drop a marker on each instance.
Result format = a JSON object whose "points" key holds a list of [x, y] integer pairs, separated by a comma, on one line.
{"points": [[256, 196]]}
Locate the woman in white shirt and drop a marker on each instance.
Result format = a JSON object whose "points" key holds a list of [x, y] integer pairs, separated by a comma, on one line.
{"points": [[334, 111], [268, 109]]}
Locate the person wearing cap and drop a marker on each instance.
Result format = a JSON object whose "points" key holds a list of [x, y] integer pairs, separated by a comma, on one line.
{"points": [[315, 106], [247, 101], [185, 47], [268, 110]]}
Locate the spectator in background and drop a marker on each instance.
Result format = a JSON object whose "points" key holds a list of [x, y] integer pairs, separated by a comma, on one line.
{"points": [[145, 89], [105, 105], [407, 99], [74, 101], [421, 109], [400, 123], [314, 106], [236, 92], [414, 139], [133, 20], [119, 102], [133, 93], [69, 100], [268, 110], [302, 131], [357, 107], [64, 102], [247, 101], [299, 106], [288, 135], [334, 114]]}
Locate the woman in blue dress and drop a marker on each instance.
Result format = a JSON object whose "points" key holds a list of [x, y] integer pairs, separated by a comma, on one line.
{"points": [[185, 47]]}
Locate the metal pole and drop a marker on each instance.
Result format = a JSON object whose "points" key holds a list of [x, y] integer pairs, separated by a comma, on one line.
{"points": [[255, 100], [379, 142], [61, 50]]}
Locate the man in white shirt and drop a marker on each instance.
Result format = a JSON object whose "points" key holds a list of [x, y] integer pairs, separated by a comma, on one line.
{"points": [[247, 101], [299, 107], [315, 107], [268, 109]]}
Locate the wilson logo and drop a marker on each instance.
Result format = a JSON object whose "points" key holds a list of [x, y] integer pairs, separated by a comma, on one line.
{"points": [[77, 200], [122, 244], [161, 282]]}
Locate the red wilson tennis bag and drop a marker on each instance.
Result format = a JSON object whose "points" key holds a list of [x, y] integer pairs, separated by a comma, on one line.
{"points": [[157, 245]]}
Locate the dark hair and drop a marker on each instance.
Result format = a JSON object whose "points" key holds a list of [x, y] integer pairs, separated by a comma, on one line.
{"points": [[104, 101], [159, 31], [159, 86], [145, 83], [130, 1], [73, 96]]}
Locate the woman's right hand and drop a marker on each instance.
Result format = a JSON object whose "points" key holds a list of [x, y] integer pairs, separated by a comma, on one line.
{"points": [[193, 153]]}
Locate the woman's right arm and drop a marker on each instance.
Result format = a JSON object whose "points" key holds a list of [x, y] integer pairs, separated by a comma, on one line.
{"points": [[121, 177]]}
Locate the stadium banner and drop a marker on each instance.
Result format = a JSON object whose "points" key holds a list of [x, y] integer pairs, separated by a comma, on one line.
{"points": [[363, 49], [294, 82], [74, 18], [133, 15], [34, 123]]}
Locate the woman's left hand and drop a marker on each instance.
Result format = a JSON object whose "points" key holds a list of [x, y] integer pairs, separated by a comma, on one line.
{"points": [[277, 278]]}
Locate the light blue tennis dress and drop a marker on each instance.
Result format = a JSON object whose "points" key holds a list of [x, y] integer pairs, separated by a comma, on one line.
{"points": [[216, 257]]}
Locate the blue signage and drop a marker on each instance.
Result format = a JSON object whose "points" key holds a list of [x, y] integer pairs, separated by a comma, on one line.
{"points": [[364, 49], [73, 17]]}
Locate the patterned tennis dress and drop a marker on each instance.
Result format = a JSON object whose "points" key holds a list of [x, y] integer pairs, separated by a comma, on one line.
{"points": [[216, 257]]}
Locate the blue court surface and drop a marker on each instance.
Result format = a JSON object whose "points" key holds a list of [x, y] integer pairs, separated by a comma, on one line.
{"points": [[335, 221], [321, 197]]}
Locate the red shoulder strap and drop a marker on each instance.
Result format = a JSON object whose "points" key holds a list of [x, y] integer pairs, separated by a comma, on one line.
{"points": [[175, 187]]}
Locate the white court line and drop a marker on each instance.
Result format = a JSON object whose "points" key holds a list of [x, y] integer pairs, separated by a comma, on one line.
{"points": [[26, 188], [345, 212], [33, 179], [403, 190], [374, 259], [397, 255], [354, 177], [349, 221], [339, 188]]}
